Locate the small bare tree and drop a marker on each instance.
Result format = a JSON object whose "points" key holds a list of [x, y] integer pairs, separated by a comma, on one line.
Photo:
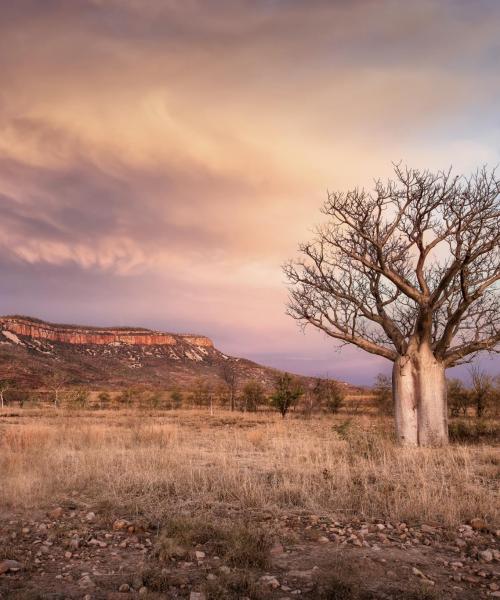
{"points": [[409, 272], [482, 390], [5, 386], [459, 398], [329, 394], [229, 374], [56, 383]]}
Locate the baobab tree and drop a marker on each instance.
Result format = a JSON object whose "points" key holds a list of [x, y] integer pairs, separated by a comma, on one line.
{"points": [[409, 271]]}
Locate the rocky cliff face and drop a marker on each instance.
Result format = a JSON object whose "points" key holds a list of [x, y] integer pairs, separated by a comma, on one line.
{"points": [[33, 329]]}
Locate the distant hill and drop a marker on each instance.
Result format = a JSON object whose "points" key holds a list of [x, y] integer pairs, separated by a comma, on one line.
{"points": [[114, 357]]}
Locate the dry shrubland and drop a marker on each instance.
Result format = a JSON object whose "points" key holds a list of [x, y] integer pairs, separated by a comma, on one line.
{"points": [[157, 461]]}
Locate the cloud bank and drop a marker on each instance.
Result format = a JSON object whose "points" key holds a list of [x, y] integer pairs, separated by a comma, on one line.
{"points": [[159, 160]]}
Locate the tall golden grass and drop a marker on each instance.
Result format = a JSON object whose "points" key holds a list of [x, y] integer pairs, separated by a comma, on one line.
{"points": [[153, 463]]}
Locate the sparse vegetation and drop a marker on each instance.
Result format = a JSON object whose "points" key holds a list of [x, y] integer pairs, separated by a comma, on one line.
{"points": [[329, 394], [286, 394], [252, 396], [153, 463], [383, 394]]}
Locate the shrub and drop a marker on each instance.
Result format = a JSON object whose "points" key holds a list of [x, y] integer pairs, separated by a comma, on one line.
{"points": [[104, 399], [329, 394], [383, 394], [252, 396], [464, 431], [176, 398], [459, 398], [78, 398], [287, 392]]}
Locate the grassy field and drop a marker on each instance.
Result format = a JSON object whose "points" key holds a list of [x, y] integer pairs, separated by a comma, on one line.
{"points": [[157, 462], [182, 504]]}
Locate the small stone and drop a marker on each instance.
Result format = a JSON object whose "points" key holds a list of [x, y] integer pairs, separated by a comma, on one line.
{"points": [[225, 570], [428, 529], [124, 587], [74, 542], [270, 581], [323, 540], [86, 582], [56, 513], [143, 591], [12, 566], [419, 574], [486, 555], [199, 555], [478, 524], [68, 555], [90, 516], [25, 530], [120, 524]]}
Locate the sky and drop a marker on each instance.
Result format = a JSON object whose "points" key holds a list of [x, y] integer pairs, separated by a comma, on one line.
{"points": [[161, 159]]}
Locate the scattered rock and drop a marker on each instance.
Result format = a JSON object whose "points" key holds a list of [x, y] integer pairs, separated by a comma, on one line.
{"points": [[74, 542], [56, 513], [10, 566], [199, 555], [486, 555], [296, 574], [86, 582], [421, 575], [478, 524], [120, 524], [270, 581], [90, 517], [124, 587], [143, 591], [428, 529]]}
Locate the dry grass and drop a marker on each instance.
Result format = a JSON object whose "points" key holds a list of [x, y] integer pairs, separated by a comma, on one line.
{"points": [[189, 460]]}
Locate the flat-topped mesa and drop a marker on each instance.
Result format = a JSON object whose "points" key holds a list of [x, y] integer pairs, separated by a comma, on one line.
{"points": [[76, 334]]}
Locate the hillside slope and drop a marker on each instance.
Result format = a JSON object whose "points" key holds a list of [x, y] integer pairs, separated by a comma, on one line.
{"points": [[31, 350]]}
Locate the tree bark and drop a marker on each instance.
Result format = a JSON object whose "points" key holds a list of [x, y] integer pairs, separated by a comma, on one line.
{"points": [[419, 390], [405, 401]]}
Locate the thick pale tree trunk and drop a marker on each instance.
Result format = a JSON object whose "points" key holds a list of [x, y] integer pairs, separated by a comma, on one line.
{"points": [[405, 401], [419, 390]]}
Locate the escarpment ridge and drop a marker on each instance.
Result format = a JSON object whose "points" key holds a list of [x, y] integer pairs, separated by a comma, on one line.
{"points": [[113, 357], [82, 335]]}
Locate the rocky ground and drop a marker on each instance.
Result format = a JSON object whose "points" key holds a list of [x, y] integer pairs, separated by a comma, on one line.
{"points": [[83, 552]]}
